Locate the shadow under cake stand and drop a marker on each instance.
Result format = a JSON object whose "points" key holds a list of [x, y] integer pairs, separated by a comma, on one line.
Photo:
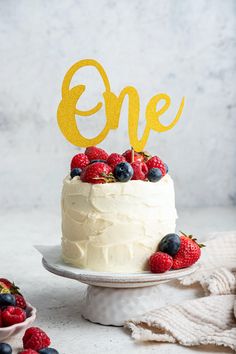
{"points": [[112, 298]]}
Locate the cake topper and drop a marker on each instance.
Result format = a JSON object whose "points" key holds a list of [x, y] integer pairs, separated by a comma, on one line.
{"points": [[67, 110]]}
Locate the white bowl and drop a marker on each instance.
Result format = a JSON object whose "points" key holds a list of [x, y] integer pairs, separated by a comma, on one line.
{"points": [[6, 332]]}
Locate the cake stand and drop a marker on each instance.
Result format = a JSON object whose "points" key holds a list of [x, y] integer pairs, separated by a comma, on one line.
{"points": [[112, 298]]}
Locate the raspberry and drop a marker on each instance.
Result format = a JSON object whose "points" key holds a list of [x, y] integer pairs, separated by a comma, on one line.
{"points": [[114, 159], [12, 315], [79, 161], [140, 170], [95, 153], [28, 351], [35, 338], [20, 301], [160, 262], [97, 172], [137, 157], [156, 162]]}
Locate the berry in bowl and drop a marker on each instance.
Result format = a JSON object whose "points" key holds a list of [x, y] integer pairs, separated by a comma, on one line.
{"points": [[15, 313]]}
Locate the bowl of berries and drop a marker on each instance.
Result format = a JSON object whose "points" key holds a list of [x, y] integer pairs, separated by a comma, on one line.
{"points": [[15, 313]]}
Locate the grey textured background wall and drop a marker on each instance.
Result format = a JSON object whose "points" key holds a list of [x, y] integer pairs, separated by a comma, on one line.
{"points": [[182, 47]]}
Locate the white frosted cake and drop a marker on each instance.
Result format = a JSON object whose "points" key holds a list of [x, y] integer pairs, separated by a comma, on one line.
{"points": [[115, 227]]}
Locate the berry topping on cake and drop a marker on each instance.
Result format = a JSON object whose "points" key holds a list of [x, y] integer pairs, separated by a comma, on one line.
{"points": [[7, 300], [132, 156], [79, 161], [123, 172], [48, 351], [145, 167], [114, 159], [156, 162], [170, 244], [154, 175], [20, 301], [140, 170], [98, 172], [160, 262], [28, 351], [5, 348], [12, 315], [95, 153], [35, 338], [189, 252], [75, 172]]}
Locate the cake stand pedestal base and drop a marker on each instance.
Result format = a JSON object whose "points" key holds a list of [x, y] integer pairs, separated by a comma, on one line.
{"points": [[113, 306], [112, 298]]}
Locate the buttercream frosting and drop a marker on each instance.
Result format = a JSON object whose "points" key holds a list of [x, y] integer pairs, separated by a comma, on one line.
{"points": [[115, 227]]}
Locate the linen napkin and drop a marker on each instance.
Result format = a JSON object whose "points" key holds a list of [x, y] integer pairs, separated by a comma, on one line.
{"points": [[207, 320]]}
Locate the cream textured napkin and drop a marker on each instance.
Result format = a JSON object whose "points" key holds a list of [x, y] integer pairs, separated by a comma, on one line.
{"points": [[207, 320]]}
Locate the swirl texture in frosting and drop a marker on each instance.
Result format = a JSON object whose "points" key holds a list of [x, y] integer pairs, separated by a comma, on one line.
{"points": [[115, 227]]}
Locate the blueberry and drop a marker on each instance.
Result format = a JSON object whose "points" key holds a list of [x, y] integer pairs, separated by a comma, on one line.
{"points": [[170, 244], [154, 174], [48, 351], [123, 172], [7, 300], [75, 172], [93, 161], [5, 348], [166, 167]]}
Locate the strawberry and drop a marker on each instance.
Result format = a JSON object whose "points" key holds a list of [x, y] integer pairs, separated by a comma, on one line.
{"points": [[140, 170], [36, 339], [98, 172], [20, 301], [79, 161], [114, 159], [160, 262], [188, 253], [156, 162], [12, 315], [133, 156], [95, 153], [8, 287], [28, 351]]}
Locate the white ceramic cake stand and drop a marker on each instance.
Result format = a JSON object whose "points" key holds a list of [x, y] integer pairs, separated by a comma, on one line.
{"points": [[112, 298]]}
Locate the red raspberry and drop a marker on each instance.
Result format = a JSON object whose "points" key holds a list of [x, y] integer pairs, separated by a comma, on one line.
{"points": [[156, 162], [95, 153], [114, 159], [79, 161], [140, 170], [28, 351], [20, 301], [35, 338], [12, 315], [160, 262], [137, 157], [96, 173]]}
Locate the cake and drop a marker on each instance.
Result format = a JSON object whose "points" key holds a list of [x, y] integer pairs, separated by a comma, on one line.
{"points": [[115, 227]]}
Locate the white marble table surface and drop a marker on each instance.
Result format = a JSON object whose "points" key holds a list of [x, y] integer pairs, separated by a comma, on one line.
{"points": [[58, 300]]}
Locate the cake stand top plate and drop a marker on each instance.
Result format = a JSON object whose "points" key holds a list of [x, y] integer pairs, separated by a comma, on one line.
{"points": [[53, 262]]}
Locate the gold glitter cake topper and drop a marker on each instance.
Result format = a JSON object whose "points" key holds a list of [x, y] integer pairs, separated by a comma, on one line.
{"points": [[67, 110]]}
